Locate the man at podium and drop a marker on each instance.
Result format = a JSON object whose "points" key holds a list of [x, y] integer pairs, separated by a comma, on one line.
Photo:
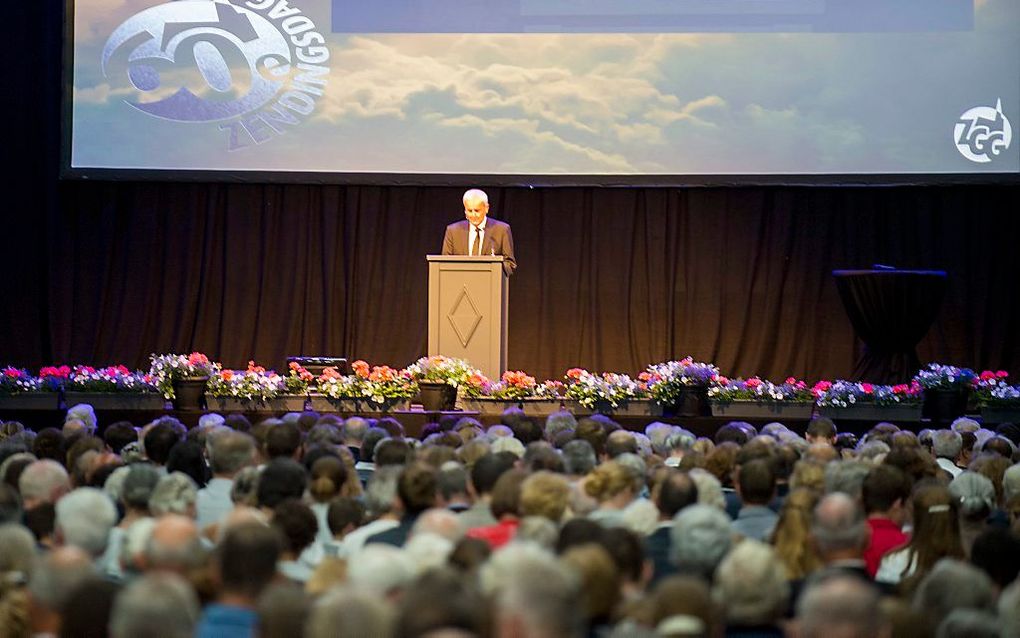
{"points": [[479, 235]]}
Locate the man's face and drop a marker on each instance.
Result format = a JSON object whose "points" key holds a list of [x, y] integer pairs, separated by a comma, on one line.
{"points": [[475, 210]]}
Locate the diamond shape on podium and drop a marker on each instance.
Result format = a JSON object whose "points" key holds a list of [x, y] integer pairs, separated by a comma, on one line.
{"points": [[464, 317]]}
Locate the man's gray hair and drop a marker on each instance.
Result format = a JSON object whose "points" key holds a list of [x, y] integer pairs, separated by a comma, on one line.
{"points": [[657, 433], [229, 451], [972, 623], [174, 494], [1011, 482], [679, 440], [964, 424], [838, 524], [700, 537], [84, 519], [17, 549], [210, 420], [953, 585], [345, 611], [561, 421], [85, 413], [382, 489], [846, 477], [157, 603], [750, 583], [139, 482], [579, 457], [41, 479], [354, 429], [528, 582], [839, 604], [507, 444], [947, 444], [476, 195], [873, 451], [380, 569], [637, 466], [709, 488], [538, 530]]}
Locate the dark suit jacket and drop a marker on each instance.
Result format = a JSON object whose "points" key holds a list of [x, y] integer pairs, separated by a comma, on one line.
{"points": [[498, 241], [657, 549]]}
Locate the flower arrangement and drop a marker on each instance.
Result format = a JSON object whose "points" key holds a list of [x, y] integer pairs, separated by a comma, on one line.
{"points": [[512, 386], [298, 379], [18, 381], [842, 394], [380, 385], [440, 369], [666, 381], [254, 383], [1002, 395], [755, 389], [53, 377], [606, 390], [167, 368], [110, 379], [937, 376]]}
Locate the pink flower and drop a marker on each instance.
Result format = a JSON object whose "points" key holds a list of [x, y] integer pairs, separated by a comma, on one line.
{"points": [[1001, 374], [867, 388], [12, 373], [791, 381], [753, 382], [987, 375]]}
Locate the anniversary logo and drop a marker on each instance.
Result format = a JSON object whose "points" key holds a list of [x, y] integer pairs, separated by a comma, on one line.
{"points": [[255, 68]]}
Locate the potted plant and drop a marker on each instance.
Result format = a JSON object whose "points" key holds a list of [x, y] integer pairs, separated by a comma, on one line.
{"points": [[606, 393], [182, 378], [439, 378], [999, 401], [514, 389], [112, 388], [19, 390], [946, 390], [680, 388], [368, 389], [250, 389], [759, 398], [869, 402]]}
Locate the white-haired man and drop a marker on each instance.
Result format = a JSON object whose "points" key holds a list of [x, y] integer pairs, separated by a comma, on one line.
{"points": [[479, 235]]}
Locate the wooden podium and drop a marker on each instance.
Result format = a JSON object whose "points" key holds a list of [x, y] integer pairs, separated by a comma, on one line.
{"points": [[468, 310]]}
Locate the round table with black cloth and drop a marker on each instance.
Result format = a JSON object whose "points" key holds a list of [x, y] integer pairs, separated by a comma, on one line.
{"points": [[891, 311]]}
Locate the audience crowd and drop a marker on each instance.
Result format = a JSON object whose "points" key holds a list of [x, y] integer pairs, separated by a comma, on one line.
{"points": [[321, 526]]}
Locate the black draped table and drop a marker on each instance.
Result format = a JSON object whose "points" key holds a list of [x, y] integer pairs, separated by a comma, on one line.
{"points": [[891, 311]]}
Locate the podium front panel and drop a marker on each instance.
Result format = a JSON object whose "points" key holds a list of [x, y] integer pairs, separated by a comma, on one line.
{"points": [[468, 312]]}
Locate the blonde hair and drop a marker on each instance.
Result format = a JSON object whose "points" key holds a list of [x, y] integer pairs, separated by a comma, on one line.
{"points": [[808, 474], [545, 494], [608, 480], [791, 535]]}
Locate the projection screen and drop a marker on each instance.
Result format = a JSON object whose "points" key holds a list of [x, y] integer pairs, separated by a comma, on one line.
{"points": [[556, 91]]}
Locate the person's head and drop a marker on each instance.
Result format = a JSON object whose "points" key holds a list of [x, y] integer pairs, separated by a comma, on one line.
{"points": [[756, 482], [159, 440], [476, 206], [327, 477], [600, 580], [84, 413], [347, 611], [283, 440], [18, 551], [41, 482], [54, 578], [620, 442], [345, 515], [229, 452], [557, 423], [245, 560], [975, 495], [187, 458], [700, 537], [791, 536], [947, 444], [297, 525], [48, 444], [175, 493], [821, 430], [579, 457], [140, 480], [676, 491], [952, 585], [885, 492], [441, 600], [451, 483], [281, 479], [846, 477], [936, 525], [416, 488], [84, 518], [390, 451], [839, 606], [610, 481], [487, 471], [838, 528], [545, 494], [162, 600], [117, 435], [683, 606], [88, 608], [506, 494], [997, 552], [174, 545], [751, 584]]}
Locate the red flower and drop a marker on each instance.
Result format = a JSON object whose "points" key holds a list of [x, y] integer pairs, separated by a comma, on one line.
{"points": [[1001, 374], [12, 373], [330, 373], [360, 369], [720, 379], [867, 388], [987, 375], [644, 376], [791, 380], [60, 373], [198, 359], [575, 373], [753, 382], [254, 368], [228, 375], [382, 373]]}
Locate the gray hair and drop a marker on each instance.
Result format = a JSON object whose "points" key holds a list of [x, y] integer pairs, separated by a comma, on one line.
{"points": [[658, 432], [139, 482], [17, 549], [440, 522], [381, 490], [57, 574], [245, 486], [507, 444], [579, 457], [679, 440], [947, 444], [971, 623], [41, 479], [380, 569], [952, 585], [964, 424], [346, 611], [750, 584], [230, 451], [324, 434], [838, 523], [1011, 482], [528, 582], [700, 537], [1009, 610], [84, 519], [476, 195], [538, 530], [637, 467], [846, 477], [85, 413], [975, 494], [354, 430], [158, 600], [873, 451], [135, 544], [837, 603], [709, 488], [557, 422], [174, 494]]}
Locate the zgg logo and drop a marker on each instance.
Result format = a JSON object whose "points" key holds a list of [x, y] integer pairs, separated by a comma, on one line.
{"points": [[256, 68], [983, 133]]}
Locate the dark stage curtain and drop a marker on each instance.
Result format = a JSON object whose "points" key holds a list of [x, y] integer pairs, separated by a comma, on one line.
{"points": [[610, 279]]}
